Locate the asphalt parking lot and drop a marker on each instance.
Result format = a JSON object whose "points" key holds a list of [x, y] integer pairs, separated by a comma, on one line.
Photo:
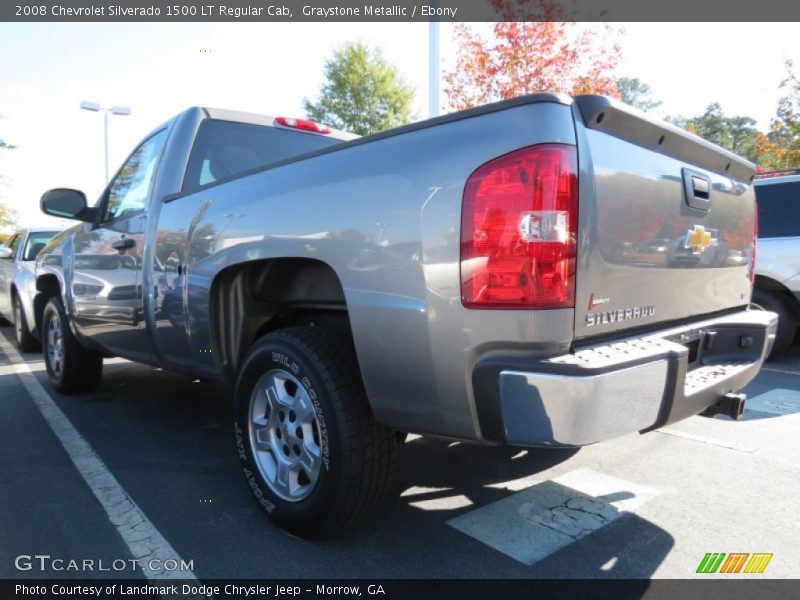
{"points": [[634, 507]]}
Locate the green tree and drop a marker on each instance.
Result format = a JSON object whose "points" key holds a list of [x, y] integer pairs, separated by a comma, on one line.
{"points": [[743, 135], [6, 215], [737, 134], [363, 93], [712, 126], [635, 92], [784, 134]]}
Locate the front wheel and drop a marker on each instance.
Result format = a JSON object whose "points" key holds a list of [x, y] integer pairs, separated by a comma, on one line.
{"points": [[70, 367], [311, 451], [25, 341]]}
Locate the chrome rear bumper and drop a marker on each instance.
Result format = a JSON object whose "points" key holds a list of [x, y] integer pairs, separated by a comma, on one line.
{"points": [[635, 384]]}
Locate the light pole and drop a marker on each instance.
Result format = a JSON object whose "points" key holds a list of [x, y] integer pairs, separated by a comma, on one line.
{"points": [[433, 69], [114, 110]]}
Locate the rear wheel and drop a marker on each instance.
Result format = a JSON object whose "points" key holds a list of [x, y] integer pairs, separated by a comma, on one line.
{"points": [[25, 341], [787, 322], [310, 449], [70, 367]]}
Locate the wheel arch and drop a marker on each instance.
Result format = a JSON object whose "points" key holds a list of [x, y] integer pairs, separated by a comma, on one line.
{"points": [[47, 286], [12, 294], [768, 284], [250, 299]]}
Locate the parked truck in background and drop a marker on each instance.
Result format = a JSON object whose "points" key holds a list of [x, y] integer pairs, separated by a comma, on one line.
{"points": [[544, 271]]}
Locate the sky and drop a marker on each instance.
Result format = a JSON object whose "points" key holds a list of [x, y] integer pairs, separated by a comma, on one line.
{"points": [[47, 69]]}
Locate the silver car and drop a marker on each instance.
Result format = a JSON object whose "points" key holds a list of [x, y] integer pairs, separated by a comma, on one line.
{"points": [[18, 283], [777, 283]]}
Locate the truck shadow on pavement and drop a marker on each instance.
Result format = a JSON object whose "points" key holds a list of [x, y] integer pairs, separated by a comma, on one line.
{"points": [[481, 491], [469, 469], [159, 431]]}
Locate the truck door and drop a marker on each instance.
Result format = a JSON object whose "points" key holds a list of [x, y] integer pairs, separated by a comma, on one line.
{"points": [[107, 277]]}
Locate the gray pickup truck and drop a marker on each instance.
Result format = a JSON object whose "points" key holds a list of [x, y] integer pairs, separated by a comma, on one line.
{"points": [[544, 271]]}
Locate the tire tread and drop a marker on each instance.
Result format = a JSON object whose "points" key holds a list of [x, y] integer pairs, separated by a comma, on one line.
{"points": [[370, 451], [82, 368]]}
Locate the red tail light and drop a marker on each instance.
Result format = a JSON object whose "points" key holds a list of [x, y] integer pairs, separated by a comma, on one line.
{"points": [[303, 124], [753, 251], [519, 222]]}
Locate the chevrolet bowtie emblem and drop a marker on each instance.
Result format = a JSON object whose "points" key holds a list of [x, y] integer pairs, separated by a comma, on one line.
{"points": [[698, 239]]}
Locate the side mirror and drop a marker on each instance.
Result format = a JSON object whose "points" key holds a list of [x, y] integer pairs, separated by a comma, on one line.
{"points": [[5, 252], [65, 203]]}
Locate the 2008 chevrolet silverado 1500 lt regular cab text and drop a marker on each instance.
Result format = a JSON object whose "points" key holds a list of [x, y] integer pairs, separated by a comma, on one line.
{"points": [[544, 271]]}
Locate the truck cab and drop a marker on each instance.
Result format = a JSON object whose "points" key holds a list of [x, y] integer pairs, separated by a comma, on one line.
{"points": [[121, 283]]}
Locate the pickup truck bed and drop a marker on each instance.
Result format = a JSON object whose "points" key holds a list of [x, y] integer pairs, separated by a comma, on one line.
{"points": [[543, 271]]}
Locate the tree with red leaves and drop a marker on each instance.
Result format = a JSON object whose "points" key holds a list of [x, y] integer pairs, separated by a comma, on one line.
{"points": [[549, 55]]}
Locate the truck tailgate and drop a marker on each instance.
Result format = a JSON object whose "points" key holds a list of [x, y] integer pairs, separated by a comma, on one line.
{"points": [[665, 222]]}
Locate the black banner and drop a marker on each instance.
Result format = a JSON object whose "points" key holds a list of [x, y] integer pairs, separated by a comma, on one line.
{"points": [[398, 11], [404, 589]]}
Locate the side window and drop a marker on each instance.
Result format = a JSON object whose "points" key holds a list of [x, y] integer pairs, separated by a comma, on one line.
{"points": [[223, 149], [778, 209], [130, 189], [36, 242]]}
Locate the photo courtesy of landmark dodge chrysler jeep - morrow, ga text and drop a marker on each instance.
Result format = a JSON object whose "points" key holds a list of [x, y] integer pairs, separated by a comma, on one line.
{"points": [[545, 271]]}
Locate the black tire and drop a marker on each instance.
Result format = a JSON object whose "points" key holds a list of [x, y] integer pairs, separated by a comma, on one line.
{"points": [[787, 321], [25, 341], [80, 369], [359, 456]]}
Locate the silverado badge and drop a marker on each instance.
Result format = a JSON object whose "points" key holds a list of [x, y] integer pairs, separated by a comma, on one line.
{"points": [[606, 317], [698, 239]]}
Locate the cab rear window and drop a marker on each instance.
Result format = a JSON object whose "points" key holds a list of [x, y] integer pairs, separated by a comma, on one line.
{"points": [[778, 209], [226, 148]]}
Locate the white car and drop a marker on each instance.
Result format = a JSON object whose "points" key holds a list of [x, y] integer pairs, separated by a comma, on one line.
{"points": [[777, 286], [18, 283]]}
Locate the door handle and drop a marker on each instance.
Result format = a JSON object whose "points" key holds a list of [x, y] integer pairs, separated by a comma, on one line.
{"points": [[697, 189], [123, 244]]}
